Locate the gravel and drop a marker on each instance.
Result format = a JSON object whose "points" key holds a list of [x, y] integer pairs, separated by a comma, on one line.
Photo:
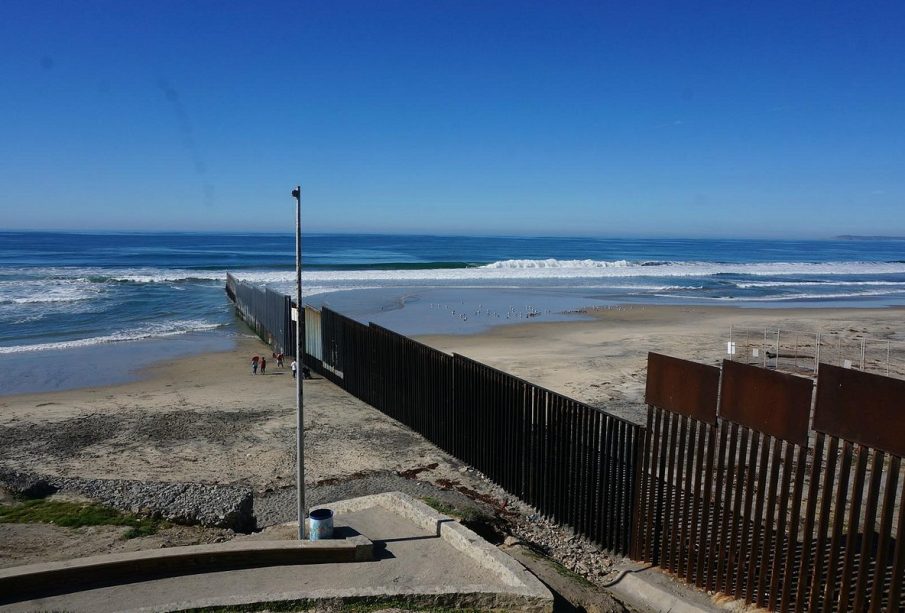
{"points": [[503, 516], [279, 505], [216, 506]]}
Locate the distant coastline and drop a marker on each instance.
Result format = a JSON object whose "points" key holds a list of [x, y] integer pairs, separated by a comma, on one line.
{"points": [[857, 237]]}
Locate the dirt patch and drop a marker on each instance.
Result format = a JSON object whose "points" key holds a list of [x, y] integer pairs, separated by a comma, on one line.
{"points": [[220, 427], [412, 473], [60, 439]]}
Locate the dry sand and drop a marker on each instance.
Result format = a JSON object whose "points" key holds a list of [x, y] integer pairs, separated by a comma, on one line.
{"points": [[204, 418], [603, 361], [207, 419]]}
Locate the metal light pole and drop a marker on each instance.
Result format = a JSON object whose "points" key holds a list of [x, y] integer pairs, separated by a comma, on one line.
{"points": [[299, 359]]}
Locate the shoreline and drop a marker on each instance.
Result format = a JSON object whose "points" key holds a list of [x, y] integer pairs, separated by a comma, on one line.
{"points": [[116, 364], [206, 419], [603, 361], [106, 364]]}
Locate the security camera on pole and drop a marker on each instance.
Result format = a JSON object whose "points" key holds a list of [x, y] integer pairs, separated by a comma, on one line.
{"points": [[299, 359]]}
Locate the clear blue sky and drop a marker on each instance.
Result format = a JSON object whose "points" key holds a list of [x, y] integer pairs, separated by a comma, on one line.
{"points": [[618, 118]]}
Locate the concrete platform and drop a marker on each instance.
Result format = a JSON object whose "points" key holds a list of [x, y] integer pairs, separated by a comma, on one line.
{"points": [[419, 555]]}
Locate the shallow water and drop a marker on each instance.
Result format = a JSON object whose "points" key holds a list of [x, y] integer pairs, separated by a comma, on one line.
{"points": [[89, 309]]}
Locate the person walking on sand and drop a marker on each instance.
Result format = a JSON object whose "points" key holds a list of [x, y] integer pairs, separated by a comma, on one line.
{"points": [[263, 365], [254, 365], [280, 360], [293, 367]]}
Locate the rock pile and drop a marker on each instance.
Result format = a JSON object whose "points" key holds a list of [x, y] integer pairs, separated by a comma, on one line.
{"points": [[560, 543], [217, 506], [26, 484], [576, 553]]}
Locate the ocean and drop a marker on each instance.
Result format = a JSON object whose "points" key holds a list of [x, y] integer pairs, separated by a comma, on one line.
{"points": [[85, 309]]}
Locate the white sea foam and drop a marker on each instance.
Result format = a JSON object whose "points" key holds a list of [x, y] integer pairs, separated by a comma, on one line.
{"points": [[828, 282], [157, 330], [554, 263], [547, 269], [513, 271], [55, 290], [796, 296], [30, 291]]}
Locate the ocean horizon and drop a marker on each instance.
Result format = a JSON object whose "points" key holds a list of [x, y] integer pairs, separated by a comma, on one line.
{"points": [[143, 292]]}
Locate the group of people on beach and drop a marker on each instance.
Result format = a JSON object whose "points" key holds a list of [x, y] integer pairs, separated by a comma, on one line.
{"points": [[258, 361], [261, 362]]}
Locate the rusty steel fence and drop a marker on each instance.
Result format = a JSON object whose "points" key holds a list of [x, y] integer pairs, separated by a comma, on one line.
{"points": [[266, 311], [738, 495], [744, 481], [572, 462]]}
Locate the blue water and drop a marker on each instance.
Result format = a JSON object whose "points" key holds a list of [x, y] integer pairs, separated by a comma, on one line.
{"points": [[62, 291]]}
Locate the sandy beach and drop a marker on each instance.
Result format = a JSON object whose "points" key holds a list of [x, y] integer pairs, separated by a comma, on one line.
{"points": [[207, 419], [602, 362]]}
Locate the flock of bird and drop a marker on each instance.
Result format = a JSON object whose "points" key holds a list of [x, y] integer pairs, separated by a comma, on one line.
{"points": [[514, 312]]}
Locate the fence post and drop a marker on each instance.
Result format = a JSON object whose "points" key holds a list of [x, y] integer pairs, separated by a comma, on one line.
{"points": [[776, 362], [729, 347], [764, 348], [795, 364], [817, 353]]}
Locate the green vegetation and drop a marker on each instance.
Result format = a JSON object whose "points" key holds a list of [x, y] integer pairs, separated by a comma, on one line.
{"points": [[76, 515], [362, 605], [463, 515], [559, 568]]}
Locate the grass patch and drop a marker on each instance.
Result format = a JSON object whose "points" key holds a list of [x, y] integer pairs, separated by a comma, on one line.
{"points": [[76, 515], [363, 605], [559, 568], [463, 515]]}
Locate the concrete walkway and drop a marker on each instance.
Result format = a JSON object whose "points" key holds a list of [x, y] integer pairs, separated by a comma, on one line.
{"points": [[413, 559]]}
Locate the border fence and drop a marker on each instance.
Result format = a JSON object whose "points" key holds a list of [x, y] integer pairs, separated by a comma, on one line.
{"points": [[266, 311], [742, 482]]}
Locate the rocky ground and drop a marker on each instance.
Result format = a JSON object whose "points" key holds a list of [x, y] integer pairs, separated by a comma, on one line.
{"points": [[207, 421], [195, 453]]}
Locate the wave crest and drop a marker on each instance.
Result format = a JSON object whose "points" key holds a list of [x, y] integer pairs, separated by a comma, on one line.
{"points": [[160, 330], [554, 263]]}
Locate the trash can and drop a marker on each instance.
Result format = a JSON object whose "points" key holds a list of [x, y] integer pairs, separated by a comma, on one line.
{"points": [[320, 525]]}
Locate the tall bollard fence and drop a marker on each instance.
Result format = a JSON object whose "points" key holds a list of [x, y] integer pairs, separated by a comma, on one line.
{"points": [[735, 485], [266, 311]]}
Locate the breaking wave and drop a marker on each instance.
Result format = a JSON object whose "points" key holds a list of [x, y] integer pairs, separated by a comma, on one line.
{"points": [[158, 330]]}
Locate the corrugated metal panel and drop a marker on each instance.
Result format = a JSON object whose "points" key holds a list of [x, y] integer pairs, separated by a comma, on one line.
{"points": [[313, 336]]}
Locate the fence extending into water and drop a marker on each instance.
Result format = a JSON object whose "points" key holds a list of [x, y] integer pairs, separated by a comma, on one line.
{"points": [[266, 311], [735, 484]]}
